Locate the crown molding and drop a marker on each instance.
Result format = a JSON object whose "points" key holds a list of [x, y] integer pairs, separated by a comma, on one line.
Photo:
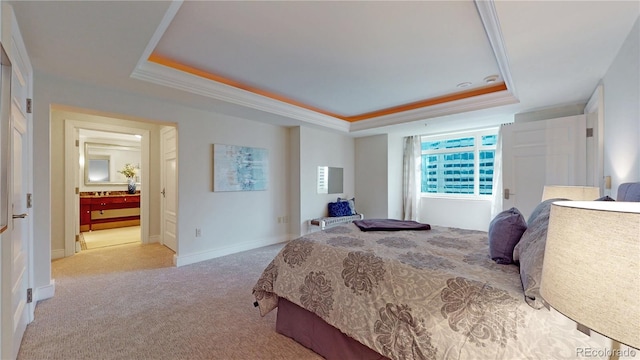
{"points": [[175, 79], [162, 75], [455, 107], [157, 35], [166, 76], [491, 24]]}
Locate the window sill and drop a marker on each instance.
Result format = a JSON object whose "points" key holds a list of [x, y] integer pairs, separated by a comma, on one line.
{"points": [[457, 197]]}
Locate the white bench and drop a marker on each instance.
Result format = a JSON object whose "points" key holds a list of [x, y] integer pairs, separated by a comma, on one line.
{"points": [[326, 222]]}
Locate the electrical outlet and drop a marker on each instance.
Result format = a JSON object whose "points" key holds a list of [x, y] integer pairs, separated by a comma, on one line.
{"points": [[198, 232]]}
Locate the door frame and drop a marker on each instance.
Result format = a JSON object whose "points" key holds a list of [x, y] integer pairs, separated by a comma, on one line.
{"points": [[71, 174], [595, 145]]}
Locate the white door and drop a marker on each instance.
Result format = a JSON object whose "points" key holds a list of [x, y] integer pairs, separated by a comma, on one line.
{"points": [[539, 153], [15, 276], [169, 188], [16, 255]]}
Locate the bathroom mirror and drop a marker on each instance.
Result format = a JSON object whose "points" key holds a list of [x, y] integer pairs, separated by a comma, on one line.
{"points": [[329, 180], [103, 161], [98, 169]]}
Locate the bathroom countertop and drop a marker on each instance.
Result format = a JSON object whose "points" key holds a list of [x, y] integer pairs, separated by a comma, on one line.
{"points": [[92, 194]]}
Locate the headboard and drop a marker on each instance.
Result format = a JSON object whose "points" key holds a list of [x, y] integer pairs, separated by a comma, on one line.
{"points": [[629, 192]]}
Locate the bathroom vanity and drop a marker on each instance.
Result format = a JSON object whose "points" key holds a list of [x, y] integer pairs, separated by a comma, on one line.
{"points": [[118, 209]]}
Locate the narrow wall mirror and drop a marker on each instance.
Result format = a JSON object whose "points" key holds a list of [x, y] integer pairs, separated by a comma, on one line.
{"points": [[98, 169], [102, 162], [329, 180]]}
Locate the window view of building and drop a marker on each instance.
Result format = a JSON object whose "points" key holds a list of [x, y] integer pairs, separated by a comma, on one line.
{"points": [[458, 164]]}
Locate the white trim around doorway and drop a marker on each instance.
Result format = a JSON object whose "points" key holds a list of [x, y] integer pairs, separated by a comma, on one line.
{"points": [[71, 174]]}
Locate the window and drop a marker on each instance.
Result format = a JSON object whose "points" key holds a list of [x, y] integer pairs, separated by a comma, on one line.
{"points": [[458, 164]]}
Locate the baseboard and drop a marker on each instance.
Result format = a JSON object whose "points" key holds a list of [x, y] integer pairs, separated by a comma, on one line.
{"points": [[57, 254], [188, 259], [154, 239], [45, 292]]}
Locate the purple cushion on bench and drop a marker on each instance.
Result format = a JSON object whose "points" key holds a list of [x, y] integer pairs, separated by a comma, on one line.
{"points": [[339, 208], [390, 225]]}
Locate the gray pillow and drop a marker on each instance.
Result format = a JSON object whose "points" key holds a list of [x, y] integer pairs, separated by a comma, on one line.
{"points": [[505, 231], [545, 205], [530, 253]]}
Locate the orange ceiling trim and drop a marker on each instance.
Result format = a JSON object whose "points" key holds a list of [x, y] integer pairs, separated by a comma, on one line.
{"points": [[429, 102], [159, 59]]}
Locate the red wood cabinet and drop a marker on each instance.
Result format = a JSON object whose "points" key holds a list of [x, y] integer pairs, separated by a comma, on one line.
{"points": [[105, 212], [85, 214]]}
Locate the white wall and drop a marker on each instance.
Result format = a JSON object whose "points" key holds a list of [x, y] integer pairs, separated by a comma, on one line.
{"points": [[622, 113], [372, 186], [395, 151], [296, 223], [230, 221], [321, 148], [223, 217], [459, 213]]}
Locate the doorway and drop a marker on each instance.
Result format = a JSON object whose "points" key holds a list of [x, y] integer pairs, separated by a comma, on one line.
{"points": [[69, 122], [65, 125], [109, 188], [73, 178]]}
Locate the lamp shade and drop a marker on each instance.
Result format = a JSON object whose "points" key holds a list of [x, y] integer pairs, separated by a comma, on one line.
{"points": [[570, 192], [591, 270]]}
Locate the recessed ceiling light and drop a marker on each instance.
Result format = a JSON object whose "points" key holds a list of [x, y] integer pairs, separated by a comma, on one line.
{"points": [[464, 84], [491, 79]]}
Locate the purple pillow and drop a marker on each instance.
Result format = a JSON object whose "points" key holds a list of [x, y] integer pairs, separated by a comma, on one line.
{"points": [[339, 208], [505, 231]]}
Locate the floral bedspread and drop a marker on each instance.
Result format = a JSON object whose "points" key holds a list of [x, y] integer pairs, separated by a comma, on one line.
{"points": [[432, 294]]}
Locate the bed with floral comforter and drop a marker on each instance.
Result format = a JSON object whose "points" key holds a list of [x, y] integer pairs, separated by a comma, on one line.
{"points": [[431, 294]]}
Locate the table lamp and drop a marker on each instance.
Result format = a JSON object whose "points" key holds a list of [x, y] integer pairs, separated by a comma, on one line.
{"points": [[570, 192], [591, 270]]}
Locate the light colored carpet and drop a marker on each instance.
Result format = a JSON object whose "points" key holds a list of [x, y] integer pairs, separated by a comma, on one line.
{"points": [[129, 302], [111, 237]]}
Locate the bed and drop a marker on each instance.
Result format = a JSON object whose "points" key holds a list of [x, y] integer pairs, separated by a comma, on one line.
{"points": [[416, 294]]}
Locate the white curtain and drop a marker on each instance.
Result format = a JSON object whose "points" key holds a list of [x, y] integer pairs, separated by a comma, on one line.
{"points": [[496, 190], [411, 177]]}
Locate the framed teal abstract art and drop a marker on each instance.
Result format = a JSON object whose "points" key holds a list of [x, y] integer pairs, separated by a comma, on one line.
{"points": [[240, 168]]}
